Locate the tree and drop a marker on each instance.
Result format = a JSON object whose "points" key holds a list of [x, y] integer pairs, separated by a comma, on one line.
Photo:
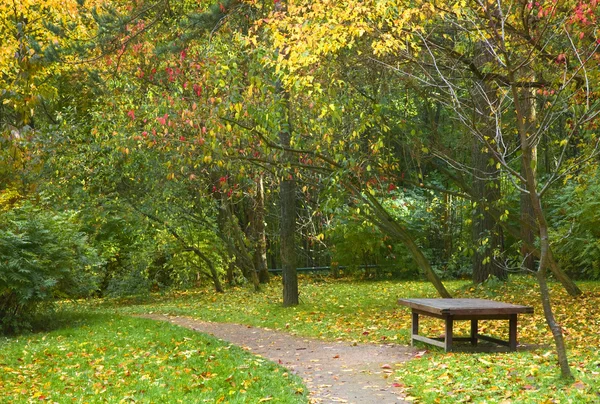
{"points": [[516, 41], [433, 45]]}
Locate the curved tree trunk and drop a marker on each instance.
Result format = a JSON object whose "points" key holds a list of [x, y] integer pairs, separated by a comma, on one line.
{"points": [[390, 226], [530, 183], [570, 286], [426, 267], [237, 244]]}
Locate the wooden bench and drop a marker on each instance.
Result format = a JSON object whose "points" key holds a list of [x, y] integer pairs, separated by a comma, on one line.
{"points": [[450, 310]]}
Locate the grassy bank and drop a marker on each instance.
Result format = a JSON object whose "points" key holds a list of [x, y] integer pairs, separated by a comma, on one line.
{"points": [[367, 312], [110, 358]]}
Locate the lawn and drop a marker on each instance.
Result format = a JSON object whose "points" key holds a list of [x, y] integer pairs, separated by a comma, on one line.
{"points": [[104, 358], [107, 356], [367, 312]]}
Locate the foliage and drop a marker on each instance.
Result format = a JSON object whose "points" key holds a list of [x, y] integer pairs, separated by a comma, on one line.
{"points": [[577, 226], [355, 243], [42, 255], [109, 358], [367, 312], [32, 33]]}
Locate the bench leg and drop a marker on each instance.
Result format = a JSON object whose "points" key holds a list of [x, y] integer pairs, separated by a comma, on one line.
{"points": [[512, 332], [415, 327], [449, 331], [474, 332]]}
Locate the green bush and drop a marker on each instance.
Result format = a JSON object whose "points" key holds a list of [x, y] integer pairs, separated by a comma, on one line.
{"points": [[43, 255], [575, 211]]}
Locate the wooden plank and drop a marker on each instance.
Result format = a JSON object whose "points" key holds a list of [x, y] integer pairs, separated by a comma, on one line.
{"points": [[415, 323], [449, 332], [464, 306], [474, 331], [459, 317], [426, 313], [512, 332], [495, 340], [430, 341]]}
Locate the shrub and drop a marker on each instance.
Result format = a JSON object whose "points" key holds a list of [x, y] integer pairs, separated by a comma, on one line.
{"points": [[42, 255], [575, 211]]}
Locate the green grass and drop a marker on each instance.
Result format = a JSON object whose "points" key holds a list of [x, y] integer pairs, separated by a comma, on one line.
{"points": [[352, 311], [367, 312], [111, 358]]}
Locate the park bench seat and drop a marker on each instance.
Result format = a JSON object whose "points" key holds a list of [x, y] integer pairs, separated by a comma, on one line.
{"points": [[474, 310]]}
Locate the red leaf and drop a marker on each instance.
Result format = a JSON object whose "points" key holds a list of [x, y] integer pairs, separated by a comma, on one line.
{"points": [[163, 119], [197, 89]]}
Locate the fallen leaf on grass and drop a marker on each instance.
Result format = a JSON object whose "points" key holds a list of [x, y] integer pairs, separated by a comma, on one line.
{"points": [[420, 354]]}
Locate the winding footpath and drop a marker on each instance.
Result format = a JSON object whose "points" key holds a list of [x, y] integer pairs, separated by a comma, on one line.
{"points": [[334, 372]]}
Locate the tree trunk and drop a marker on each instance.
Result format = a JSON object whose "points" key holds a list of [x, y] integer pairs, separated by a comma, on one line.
{"points": [[486, 234], [214, 274], [257, 219], [287, 197], [229, 274], [561, 349], [233, 237], [390, 226], [213, 271], [288, 246], [570, 286], [528, 221], [530, 184], [423, 263]]}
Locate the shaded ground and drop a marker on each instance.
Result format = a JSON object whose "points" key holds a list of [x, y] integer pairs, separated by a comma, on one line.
{"points": [[334, 372]]}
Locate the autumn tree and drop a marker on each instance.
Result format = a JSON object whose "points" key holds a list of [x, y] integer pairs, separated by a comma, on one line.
{"points": [[516, 39]]}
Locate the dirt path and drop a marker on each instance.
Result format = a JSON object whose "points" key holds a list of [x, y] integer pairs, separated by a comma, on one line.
{"points": [[334, 372]]}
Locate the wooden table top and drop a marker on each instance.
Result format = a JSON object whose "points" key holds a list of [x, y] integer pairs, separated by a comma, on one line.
{"points": [[464, 306]]}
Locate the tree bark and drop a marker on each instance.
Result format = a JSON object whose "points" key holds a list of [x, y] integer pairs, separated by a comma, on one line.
{"points": [[530, 184], [236, 237], [287, 197], [259, 238], [555, 328], [530, 248], [288, 246], [390, 226], [528, 220], [486, 234]]}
